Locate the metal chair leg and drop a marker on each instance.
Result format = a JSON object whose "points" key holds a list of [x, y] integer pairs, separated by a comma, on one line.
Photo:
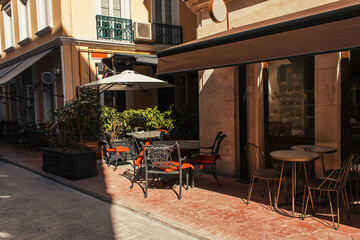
{"points": [[332, 212], [250, 189], [180, 185], [215, 174], [346, 202]]}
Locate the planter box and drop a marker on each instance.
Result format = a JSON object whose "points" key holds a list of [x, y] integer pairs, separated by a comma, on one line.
{"points": [[70, 165]]}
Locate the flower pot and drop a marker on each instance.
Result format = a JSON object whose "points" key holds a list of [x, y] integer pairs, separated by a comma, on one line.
{"points": [[94, 145], [70, 165]]}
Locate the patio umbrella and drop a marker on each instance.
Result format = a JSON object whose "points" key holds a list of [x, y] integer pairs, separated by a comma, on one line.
{"points": [[128, 80]]}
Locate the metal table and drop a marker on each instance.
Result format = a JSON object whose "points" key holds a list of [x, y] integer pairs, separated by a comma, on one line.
{"points": [[184, 144], [145, 135], [293, 157], [316, 149]]}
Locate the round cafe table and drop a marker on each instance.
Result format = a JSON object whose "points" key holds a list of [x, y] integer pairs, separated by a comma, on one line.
{"points": [[316, 149], [294, 157]]}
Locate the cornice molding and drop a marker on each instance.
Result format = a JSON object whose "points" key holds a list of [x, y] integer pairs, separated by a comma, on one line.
{"points": [[198, 6]]}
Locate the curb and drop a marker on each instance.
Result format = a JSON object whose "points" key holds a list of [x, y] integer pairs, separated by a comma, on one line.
{"points": [[140, 212]]}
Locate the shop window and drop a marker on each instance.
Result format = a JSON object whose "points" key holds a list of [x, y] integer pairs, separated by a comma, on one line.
{"points": [[291, 97], [8, 27], [44, 14], [355, 98], [24, 20]]}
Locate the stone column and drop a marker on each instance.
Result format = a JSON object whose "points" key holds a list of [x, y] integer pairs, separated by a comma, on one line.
{"points": [[327, 107], [217, 112]]}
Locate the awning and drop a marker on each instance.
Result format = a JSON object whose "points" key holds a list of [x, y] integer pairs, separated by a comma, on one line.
{"points": [[9, 72], [329, 28], [145, 59]]}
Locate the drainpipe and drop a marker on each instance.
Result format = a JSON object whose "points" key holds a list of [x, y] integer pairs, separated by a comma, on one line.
{"points": [[63, 72]]}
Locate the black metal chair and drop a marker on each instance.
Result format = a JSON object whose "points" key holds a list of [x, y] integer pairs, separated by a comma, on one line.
{"points": [[210, 157], [158, 160], [137, 157], [261, 168], [335, 182], [113, 152]]}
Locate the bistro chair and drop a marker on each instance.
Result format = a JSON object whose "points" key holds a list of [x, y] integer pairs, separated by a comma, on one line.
{"points": [[210, 157], [335, 183], [166, 134], [261, 168], [137, 157], [113, 152], [159, 160]]}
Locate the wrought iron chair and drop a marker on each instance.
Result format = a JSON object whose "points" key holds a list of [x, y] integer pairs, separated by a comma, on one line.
{"points": [[335, 182], [210, 157], [261, 168], [166, 134], [158, 160], [113, 152], [137, 157]]}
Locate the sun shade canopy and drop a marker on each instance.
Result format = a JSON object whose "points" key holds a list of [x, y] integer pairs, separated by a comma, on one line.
{"points": [[128, 80], [11, 71], [328, 28]]}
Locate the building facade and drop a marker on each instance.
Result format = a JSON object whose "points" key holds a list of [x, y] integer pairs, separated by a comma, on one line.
{"points": [[51, 47], [275, 73]]}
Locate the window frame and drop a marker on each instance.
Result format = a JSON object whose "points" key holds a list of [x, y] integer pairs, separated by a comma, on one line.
{"points": [[24, 22], [175, 12], [124, 8], [44, 7], [8, 28]]}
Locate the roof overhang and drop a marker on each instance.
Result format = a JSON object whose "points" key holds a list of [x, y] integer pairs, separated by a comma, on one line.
{"points": [[328, 28]]}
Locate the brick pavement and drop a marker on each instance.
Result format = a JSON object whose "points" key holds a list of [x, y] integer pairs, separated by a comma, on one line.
{"points": [[33, 207], [205, 211]]}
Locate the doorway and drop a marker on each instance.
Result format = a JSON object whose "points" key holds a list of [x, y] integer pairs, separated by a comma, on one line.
{"points": [[289, 103], [243, 165]]}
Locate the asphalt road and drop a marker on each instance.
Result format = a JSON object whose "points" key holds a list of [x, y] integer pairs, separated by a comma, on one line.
{"points": [[33, 207]]}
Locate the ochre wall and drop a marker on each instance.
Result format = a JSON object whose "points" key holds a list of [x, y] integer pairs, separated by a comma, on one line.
{"points": [[217, 91], [36, 41]]}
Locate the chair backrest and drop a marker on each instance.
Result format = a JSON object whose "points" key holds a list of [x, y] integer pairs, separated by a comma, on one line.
{"points": [[108, 139], [256, 158], [217, 143], [133, 146], [159, 156], [337, 179]]}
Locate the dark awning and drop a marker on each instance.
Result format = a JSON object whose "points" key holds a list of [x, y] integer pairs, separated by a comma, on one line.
{"points": [[329, 28], [11, 71]]}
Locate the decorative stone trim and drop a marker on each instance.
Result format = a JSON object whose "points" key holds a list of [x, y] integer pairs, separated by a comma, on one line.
{"points": [[24, 41], [43, 31], [197, 6], [9, 49]]}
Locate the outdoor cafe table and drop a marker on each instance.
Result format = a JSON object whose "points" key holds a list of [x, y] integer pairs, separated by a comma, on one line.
{"points": [[145, 135], [293, 157], [316, 149], [184, 144]]}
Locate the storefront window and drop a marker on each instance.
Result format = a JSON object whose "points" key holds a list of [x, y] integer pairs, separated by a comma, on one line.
{"points": [[291, 97], [355, 98]]}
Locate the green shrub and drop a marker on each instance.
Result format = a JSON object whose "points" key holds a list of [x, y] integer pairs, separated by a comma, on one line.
{"points": [[111, 121], [78, 121]]}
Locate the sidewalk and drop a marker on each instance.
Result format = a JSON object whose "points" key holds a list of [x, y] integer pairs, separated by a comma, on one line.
{"points": [[205, 211]]}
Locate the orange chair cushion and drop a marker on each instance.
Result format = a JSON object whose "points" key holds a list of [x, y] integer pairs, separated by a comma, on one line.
{"points": [[119, 149], [204, 159], [175, 167], [140, 158], [162, 130]]}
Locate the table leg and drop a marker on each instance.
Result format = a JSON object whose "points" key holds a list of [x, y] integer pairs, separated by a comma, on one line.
{"points": [[277, 196], [293, 186], [322, 161]]}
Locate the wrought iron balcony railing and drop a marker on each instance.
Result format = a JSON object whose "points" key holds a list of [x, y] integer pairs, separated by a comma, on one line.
{"points": [[168, 34], [113, 28]]}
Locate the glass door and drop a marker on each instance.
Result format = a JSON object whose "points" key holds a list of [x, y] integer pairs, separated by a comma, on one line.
{"points": [[289, 103]]}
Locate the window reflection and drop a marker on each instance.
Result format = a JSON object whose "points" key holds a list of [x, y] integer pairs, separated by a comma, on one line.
{"points": [[291, 97]]}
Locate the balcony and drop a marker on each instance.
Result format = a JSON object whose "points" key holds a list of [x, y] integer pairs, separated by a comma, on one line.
{"points": [[168, 34], [113, 28]]}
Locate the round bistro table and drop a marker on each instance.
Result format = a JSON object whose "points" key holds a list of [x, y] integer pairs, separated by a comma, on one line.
{"points": [[294, 157], [316, 149]]}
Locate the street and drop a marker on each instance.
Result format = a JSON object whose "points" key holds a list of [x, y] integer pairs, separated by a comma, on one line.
{"points": [[33, 207]]}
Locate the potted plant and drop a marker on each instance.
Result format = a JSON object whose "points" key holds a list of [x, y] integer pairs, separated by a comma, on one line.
{"points": [[79, 121]]}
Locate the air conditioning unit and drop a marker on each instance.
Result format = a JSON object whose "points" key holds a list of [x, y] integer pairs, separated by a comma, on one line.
{"points": [[142, 31]]}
